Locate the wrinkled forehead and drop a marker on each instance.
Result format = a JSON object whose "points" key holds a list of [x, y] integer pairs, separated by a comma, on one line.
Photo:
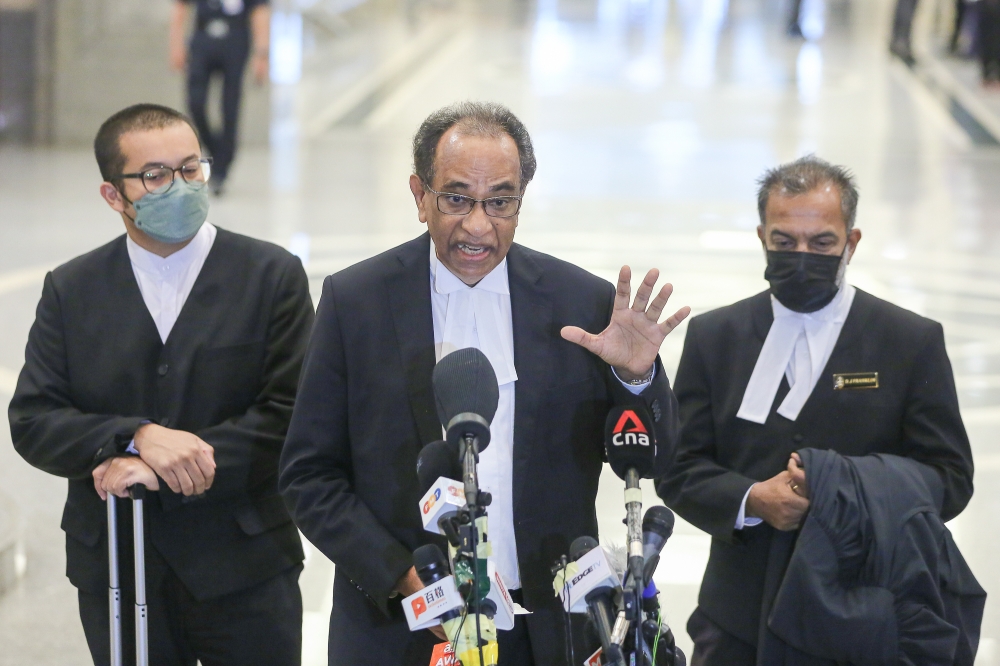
{"points": [[820, 207], [476, 159]]}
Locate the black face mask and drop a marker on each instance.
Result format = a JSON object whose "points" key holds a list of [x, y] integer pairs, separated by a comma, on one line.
{"points": [[803, 281]]}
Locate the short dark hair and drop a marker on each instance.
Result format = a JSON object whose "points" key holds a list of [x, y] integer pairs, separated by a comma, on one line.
{"points": [[138, 117], [475, 119], [805, 175]]}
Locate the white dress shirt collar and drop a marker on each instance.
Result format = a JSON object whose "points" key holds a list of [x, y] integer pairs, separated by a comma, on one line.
{"points": [[481, 317], [166, 282], [477, 316], [798, 346]]}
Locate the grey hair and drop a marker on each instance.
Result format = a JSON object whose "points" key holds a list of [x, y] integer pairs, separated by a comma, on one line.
{"points": [[805, 175], [473, 119]]}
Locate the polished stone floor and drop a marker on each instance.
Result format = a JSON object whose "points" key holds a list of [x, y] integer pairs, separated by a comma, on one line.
{"points": [[651, 119]]}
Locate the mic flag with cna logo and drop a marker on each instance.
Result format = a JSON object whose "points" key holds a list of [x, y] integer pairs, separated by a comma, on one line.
{"points": [[629, 430], [629, 440]]}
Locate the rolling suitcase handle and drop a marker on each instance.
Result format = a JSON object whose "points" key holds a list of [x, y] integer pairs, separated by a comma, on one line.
{"points": [[138, 494]]}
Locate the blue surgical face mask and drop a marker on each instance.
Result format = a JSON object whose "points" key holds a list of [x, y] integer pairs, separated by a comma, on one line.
{"points": [[173, 214]]}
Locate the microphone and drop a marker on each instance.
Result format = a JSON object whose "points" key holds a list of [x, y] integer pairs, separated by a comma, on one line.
{"points": [[630, 445], [437, 470], [631, 450], [432, 567], [657, 526], [629, 441], [437, 460], [439, 601], [466, 395], [581, 546], [600, 600]]}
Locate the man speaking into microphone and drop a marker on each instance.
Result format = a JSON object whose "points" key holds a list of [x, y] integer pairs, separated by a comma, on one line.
{"points": [[565, 346]]}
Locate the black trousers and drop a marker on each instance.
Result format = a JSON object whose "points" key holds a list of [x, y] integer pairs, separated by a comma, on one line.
{"points": [[514, 646], [902, 24], [989, 39], [261, 625], [714, 647], [225, 56]]}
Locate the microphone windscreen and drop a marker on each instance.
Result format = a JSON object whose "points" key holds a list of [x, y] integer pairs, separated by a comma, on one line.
{"points": [[464, 381], [438, 459], [629, 440], [659, 520], [430, 563], [581, 546], [618, 558]]}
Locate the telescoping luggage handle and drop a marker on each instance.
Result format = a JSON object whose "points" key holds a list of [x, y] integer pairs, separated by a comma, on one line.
{"points": [[138, 494]]}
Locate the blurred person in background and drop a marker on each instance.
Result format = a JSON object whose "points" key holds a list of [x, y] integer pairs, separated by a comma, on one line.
{"points": [[989, 42], [226, 32], [812, 363], [794, 29], [170, 357], [902, 26]]}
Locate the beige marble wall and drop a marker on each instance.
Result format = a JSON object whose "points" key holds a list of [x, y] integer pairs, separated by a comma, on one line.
{"points": [[107, 54]]}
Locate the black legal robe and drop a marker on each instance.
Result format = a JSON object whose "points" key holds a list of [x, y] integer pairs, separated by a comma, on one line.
{"points": [[366, 407], [913, 413], [95, 369]]}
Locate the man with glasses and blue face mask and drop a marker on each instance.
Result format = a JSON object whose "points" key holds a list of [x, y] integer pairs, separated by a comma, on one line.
{"points": [[170, 357], [811, 363]]}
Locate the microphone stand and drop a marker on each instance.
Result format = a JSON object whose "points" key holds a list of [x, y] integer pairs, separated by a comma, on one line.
{"points": [[475, 507], [470, 545], [633, 591]]}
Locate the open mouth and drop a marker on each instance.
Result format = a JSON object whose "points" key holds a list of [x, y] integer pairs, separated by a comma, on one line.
{"points": [[472, 250]]}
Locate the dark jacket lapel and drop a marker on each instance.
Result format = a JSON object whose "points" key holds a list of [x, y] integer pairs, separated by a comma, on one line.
{"points": [[854, 327], [531, 312], [763, 314], [207, 292], [410, 303], [847, 347], [131, 307]]}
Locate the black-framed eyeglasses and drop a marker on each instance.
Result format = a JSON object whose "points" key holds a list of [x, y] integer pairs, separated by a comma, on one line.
{"points": [[459, 204], [196, 171]]}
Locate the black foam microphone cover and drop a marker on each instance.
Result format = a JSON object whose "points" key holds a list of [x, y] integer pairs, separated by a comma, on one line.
{"points": [[430, 564], [657, 526], [659, 520], [581, 546], [630, 441], [435, 460], [465, 383]]}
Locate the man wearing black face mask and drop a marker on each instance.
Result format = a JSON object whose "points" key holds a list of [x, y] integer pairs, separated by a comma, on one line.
{"points": [[813, 362]]}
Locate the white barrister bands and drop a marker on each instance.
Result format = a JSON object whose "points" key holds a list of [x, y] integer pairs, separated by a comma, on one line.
{"points": [[481, 317], [797, 346]]}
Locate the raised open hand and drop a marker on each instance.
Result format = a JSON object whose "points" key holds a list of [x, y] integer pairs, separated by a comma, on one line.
{"points": [[632, 339]]}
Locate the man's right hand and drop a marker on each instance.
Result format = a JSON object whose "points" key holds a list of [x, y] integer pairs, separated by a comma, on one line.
{"points": [[410, 583], [117, 475], [180, 458], [776, 503]]}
